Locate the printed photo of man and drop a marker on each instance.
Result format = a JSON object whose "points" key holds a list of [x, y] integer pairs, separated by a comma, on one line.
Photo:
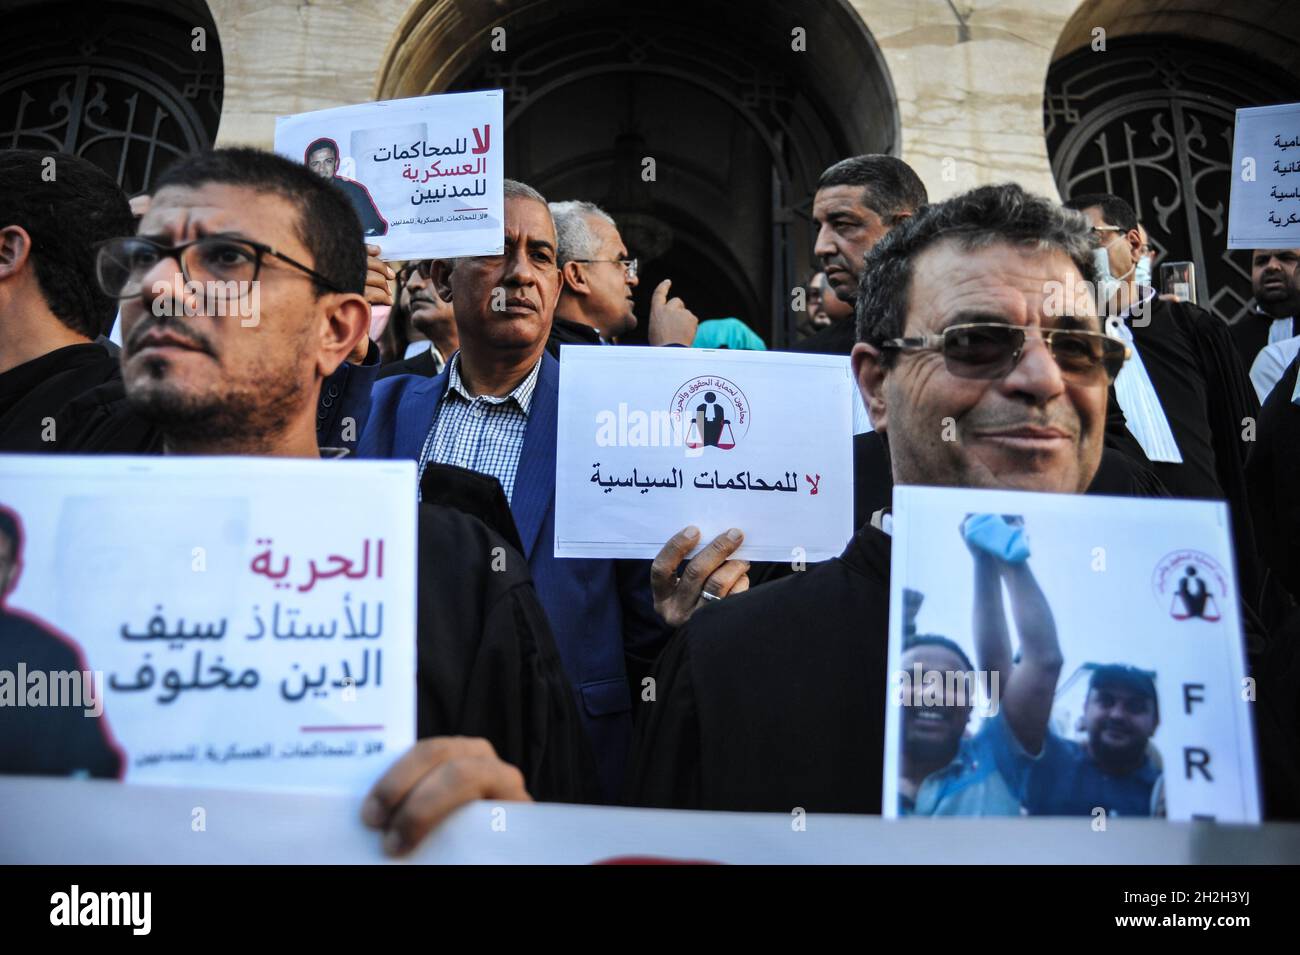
{"points": [[48, 725], [322, 158]]}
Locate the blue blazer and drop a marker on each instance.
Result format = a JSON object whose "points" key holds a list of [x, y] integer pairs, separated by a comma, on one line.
{"points": [[598, 609]]}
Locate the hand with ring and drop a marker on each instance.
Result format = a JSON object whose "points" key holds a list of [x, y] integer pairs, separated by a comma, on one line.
{"points": [[709, 576]]}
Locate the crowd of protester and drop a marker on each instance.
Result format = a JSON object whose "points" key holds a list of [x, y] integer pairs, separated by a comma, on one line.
{"points": [[770, 682]]}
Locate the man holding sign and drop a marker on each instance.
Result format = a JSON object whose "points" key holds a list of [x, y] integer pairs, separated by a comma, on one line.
{"points": [[775, 699], [494, 410], [487, 665]]}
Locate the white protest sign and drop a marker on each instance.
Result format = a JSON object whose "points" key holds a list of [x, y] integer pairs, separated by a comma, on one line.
{"points": [[424, 174], [81, 822], [1118, 617], [1264, 205], [245, 624], [654, 439]]}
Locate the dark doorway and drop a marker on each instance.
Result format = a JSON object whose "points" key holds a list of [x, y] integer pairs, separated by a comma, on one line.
{"points": [[131, 89], [737, 121]]}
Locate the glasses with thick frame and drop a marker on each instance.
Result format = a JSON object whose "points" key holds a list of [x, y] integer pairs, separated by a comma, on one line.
{"points": [[629, 265], [990, 350], [121, 264]]}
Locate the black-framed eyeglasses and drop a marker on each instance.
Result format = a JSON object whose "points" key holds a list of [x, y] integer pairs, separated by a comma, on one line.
{"points": [[122, 264], [629, 265], [989, 350]]}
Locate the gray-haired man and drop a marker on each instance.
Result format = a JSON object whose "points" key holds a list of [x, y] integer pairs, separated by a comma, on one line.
{"points": [[599, 276]]}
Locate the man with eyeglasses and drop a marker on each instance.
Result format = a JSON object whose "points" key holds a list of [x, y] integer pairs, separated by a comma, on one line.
{"points": [[981, 377], [495, 714], [598, 278], [1186, 396], [422, 311], [53, 210]]}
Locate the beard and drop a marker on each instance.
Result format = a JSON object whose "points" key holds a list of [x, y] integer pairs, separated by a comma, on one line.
{"points": [[241, 417], [1130, 754]]}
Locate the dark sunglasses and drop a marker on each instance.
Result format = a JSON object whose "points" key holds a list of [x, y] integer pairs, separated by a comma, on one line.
{"points": [[989, 350]]}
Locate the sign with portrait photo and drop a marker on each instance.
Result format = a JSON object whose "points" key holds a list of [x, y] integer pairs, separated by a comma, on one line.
{"points": [[424, 174], [1066, 655], [207, 621]]}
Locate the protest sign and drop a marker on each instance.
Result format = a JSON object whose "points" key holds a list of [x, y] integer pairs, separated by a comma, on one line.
{"points": [[424, 174], [62, 822], [1065, 655], [654, 439], [216, 621], [1264, 203]]}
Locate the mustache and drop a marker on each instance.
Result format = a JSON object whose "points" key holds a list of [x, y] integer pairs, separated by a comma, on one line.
{"points": [[1054, 418], [194, 338]]}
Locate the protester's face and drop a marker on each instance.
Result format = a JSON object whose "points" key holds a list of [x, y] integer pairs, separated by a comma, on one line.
{"points": [[1119, 721], [1122, 248], [824, 306], [9, 566], [1031, 429], [209, 376], [1273, 276], [846, 231], [932, 731], [429, 314], [528, 279], [324, 162], [610, 301]]}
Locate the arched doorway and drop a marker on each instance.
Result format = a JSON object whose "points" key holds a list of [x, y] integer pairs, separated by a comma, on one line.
{"points": [[733, 119], [1151, 117], [130, 90]]}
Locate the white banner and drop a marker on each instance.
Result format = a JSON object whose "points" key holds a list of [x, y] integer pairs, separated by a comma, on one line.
{"points": [[654, 439], [1264, 204], [233, 622], [424, 174]]}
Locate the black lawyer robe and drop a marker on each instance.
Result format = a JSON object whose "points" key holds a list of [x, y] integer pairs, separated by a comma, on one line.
{"points": [[775, 698], [1209, 401], [487, 664]]}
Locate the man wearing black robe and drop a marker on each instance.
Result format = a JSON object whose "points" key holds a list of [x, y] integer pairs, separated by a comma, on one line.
{"points": [[487, 666], [51, 309], [1271, 314], [775, 699], [1198, 377]]}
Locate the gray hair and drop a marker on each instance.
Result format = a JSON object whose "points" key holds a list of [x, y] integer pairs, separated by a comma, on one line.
{"points": [[510, 189], [574, 238], [514, 189], [982, 217]]}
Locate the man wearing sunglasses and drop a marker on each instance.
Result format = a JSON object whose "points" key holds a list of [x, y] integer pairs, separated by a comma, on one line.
{"points": [[487, 666], [981, 375], [598, 280]]}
